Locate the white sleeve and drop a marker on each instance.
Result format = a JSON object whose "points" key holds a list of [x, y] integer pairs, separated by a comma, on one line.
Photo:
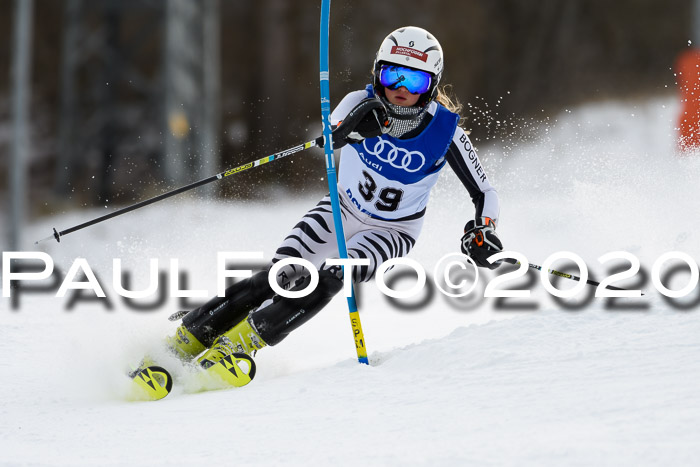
{"points": [[346, 105], [466, 164]]}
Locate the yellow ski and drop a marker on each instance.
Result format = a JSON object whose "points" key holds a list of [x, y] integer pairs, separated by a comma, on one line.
{"points": [[151, 383]]}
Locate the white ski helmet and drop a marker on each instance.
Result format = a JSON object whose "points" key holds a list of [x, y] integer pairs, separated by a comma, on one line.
{"points": [[412, 47]]}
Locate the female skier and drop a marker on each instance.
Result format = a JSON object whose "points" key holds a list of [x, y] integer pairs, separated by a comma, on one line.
{"points": [[396, 136]]}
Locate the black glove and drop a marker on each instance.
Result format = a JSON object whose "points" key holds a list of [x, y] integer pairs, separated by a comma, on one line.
{"points": [[368, 119], [481, 241]]}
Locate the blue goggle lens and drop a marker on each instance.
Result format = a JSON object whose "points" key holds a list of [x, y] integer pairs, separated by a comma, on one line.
{"points": [[395, 77]]}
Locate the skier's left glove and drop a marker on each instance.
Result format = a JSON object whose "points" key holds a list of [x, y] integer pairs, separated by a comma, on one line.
{"points": [[367, 119], [480, 241]]}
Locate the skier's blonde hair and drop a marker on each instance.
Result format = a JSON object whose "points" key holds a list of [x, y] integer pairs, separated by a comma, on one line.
{"points": [[448, 99]]}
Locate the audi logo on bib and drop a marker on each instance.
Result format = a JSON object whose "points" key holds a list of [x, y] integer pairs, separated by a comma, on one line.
{"points": [[399, 158]]}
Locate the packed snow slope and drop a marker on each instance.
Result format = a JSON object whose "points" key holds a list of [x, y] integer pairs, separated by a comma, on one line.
{"points": [[473, 381]]}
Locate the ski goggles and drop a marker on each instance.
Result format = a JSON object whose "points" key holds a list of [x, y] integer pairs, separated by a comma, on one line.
{"points": [[394, 77]]}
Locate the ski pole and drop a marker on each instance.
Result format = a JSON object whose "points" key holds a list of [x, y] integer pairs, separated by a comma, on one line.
{"points": [[279, 155], [332, 178], [554, 272]]}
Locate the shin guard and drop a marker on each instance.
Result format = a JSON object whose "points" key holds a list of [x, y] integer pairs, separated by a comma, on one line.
{"points": [[220, 314], [275, 321]]}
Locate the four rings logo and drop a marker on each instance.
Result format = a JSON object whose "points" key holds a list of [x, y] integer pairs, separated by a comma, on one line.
{"points": [[399, 158]]}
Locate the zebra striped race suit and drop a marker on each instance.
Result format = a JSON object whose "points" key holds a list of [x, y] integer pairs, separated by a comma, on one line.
{"points": [[384, 186]]}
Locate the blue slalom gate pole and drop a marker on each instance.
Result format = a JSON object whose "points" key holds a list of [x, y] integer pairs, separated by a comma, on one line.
{"points": [[332, 177]]}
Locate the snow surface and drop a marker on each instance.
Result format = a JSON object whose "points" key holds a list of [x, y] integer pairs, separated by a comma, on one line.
{"points": [[537, 382]]}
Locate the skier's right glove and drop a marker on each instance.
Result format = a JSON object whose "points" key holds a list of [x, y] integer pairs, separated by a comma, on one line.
{"points": [[481, 241], [367, 119]]}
